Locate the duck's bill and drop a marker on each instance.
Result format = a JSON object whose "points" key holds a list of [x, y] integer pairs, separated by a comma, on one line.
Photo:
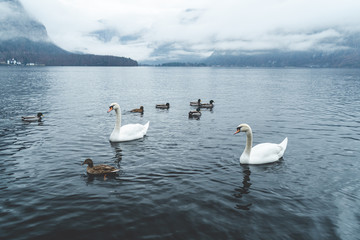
{"points": [[110, 109]]}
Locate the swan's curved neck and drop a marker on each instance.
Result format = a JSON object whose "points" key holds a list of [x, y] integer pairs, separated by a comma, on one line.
{"points": [[118, 119], [248, 142]]}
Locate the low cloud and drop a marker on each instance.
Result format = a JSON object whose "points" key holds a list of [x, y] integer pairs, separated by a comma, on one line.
{"points": [[160, 29], [15, 24]]}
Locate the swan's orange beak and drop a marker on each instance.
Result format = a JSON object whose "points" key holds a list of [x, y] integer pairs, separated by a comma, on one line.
{"points": [[237, 130], [110, 109]]}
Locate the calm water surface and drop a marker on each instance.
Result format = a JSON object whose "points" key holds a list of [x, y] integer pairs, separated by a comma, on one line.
{"points": [[184, 179]]}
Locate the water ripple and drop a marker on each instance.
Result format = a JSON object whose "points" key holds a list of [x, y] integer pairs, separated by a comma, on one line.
{"points": [[184, 179]]}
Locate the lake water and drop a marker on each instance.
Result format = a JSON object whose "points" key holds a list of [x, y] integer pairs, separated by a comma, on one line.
{"points": [[184, 179]]}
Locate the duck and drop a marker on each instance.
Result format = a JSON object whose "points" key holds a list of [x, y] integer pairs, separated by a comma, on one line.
{"points": [[262, 153], [196, 103], [36, 118], [101, 169], [163, 106], [138, 110], [208, 105], [195, 114], [127, 132]]}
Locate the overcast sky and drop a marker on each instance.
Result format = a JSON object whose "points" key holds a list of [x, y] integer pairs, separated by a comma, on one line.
{"points": [[152, 29]]}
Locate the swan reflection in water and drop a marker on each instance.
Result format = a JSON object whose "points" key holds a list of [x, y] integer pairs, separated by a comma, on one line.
{"points": [[244, 189], [118, 153]]}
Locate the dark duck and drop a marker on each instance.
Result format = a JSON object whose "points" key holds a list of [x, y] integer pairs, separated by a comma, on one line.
{"points": [[36, 118], [196, 103], [208, 105], [163, 106], [195, 114]]}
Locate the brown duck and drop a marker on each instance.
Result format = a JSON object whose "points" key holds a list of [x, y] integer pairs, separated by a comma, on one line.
{"points": [[101, 169], [138, 110]]}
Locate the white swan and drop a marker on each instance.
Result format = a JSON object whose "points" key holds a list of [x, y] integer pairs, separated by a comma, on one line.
{"points": [[127, 132], [262, 153]]}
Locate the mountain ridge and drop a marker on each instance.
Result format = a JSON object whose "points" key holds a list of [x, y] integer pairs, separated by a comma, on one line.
{"points": [[25, 39], [337, 59]]}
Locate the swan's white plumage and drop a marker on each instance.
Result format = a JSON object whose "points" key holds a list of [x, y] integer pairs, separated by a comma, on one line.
{"points": [[262, 153], [127, 132]]}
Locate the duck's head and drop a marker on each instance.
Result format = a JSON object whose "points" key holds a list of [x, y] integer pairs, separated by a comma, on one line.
{"points": [[199, 100], [39, 115], [212, 101], [113, 106], [167, 104], [89, 162], [242, 128], [142, 108]]}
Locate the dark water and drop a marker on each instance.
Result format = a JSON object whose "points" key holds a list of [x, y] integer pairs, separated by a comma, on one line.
{"points": [[184, 180]]}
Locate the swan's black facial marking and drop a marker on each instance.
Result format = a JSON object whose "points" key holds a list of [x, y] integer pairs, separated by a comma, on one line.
{"points": [[110, 108], [237, 130]]}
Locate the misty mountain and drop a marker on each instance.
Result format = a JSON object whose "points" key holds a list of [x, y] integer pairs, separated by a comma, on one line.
{"points": [[16, 23], [276, 58], [26, 40], [345, 54]]}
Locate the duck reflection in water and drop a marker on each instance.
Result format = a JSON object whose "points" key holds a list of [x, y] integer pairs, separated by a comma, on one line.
{"points": [[244, 189]]}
